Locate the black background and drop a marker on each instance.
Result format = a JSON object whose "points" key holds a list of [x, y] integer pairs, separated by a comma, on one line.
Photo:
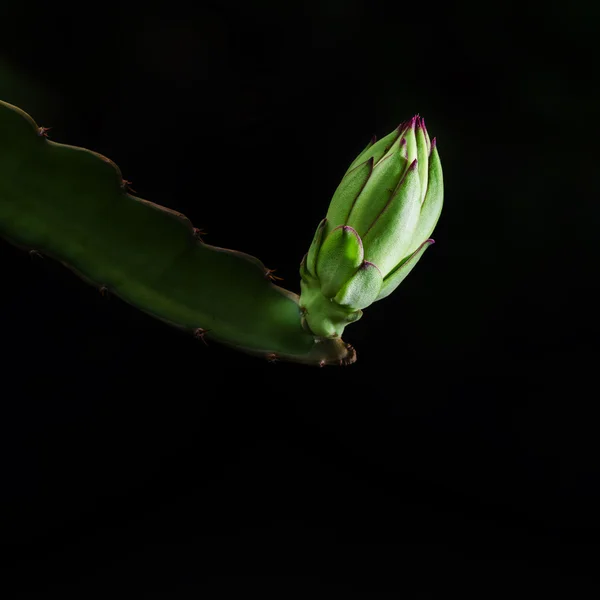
{"points": [[460, 451]]}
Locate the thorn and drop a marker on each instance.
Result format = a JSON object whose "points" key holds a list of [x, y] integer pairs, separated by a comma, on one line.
{"points": [[200, 333], [269, 274], [272, 357], [42, 131], [126, 185], [322, 363], [33, 253], [198, 233], [104, 291]]}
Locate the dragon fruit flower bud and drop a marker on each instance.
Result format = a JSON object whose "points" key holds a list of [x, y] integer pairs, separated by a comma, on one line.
{"points": [[378, 226]]}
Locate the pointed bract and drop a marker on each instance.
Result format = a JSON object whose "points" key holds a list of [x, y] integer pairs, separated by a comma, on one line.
{"points": [[391, 231], [363, 156], [377, 191], [346, 194], [378, 150], [304, 274], [422, 156], [433, 202], [398, 275], [340, 255], [362, 289], [410, 138], [313, 251]]}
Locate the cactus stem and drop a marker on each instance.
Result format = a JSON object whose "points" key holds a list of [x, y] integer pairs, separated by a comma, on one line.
{"points": [[146, 254]]}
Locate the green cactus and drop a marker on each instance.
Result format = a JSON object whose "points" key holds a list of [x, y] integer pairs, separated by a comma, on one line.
{"points": [[73, 205]]}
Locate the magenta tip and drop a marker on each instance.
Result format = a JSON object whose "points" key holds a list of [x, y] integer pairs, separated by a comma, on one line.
{"points": [[433, 145], [348, 229], [366, 265]]}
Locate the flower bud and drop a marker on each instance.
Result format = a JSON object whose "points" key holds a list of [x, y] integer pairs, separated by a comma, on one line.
{"points": [[376, 229]]}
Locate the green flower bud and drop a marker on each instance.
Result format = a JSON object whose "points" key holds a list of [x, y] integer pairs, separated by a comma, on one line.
{"points": [[376, 229]]}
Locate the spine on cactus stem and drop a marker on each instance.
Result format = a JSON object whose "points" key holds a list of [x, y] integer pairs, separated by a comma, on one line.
{"points": [[73, 205]]}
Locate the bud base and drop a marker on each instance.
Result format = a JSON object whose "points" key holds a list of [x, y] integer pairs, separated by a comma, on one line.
{"points": [[322, 316]]}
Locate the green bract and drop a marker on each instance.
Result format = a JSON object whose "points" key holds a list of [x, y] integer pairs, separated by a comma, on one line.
{"points": [[376, 229]]}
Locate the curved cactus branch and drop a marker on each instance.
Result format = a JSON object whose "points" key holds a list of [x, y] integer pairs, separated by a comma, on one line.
{"points": [[73, 205]]}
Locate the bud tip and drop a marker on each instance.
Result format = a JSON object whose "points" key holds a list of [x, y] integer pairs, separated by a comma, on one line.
{"points": [[433, 146]]}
